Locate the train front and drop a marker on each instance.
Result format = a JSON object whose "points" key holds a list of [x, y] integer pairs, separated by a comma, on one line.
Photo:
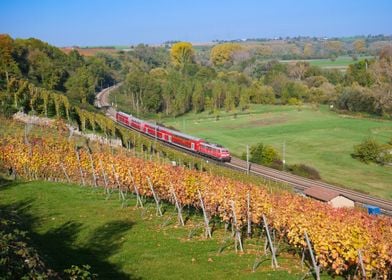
{"points": [[225, 155]]}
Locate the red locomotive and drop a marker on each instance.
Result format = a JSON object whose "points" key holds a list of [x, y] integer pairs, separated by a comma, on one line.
{"points": [[182, 140]]}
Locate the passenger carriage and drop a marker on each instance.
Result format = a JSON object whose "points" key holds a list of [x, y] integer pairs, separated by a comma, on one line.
{"points": [[176, 138]]}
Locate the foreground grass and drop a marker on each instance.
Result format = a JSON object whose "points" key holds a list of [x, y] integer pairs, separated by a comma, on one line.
{"points": [[75, 225], [319, 138]]}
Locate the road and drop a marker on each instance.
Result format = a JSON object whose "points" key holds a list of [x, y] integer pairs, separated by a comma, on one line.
{"points": [[299, 183]]}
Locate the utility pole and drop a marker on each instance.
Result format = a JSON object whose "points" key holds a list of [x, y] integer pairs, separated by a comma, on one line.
{"points": [[247, 159], [156, 132], [284, 154]]}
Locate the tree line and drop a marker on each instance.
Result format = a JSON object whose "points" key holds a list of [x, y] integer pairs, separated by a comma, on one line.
{"points": [[48, 67], [232, 79], [176, 80]]}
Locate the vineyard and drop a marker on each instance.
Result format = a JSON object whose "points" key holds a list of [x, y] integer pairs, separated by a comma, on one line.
{"points": [[337, 235]]}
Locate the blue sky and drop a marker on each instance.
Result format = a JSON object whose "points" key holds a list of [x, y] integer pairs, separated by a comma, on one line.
{"points": [[123, 22]]}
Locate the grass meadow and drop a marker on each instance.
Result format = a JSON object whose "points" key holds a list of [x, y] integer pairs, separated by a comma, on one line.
{"points": [[70, 224], [341, 62], [316, 137]]}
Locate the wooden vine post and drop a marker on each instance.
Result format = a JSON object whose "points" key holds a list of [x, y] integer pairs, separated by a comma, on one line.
{"points": [[92, 169], [271, 245], [315, 266], [237, 239], [178, 205], [156, 198], [120, 192], [249, 216], [361, 264], [138, 199], [80, 167], [105, 180], [206, 220], [65, 172]]}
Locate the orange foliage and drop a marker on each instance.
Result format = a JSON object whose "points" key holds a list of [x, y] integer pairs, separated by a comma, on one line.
{"points": [[336, 234]]}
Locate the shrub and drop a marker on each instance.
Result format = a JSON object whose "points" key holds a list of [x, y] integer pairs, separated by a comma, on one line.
{"points": [[276, 164], [368, 151], [18, 259], [262, 154], [7, 110], [293, 101], [304, 171], [79, 273]]}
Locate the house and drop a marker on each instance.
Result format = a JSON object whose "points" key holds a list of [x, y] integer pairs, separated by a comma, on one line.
{"points": [[333, 198]]}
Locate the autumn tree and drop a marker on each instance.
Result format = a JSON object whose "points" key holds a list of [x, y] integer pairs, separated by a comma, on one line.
{"points": [[308, 50], [334, 48], [381, 70], [264, 51], [298, 70], [359, 46], [182, 53], [223, 53], [386, 53]]}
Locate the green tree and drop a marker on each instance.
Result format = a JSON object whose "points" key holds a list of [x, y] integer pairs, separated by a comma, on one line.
{"points": [[358, 72], [263, 154], [81, 85], [295, 92], [244, 99], [152, 56], [261, 94], [218, 94], [229, 102], [8, 65], [198, 98]]}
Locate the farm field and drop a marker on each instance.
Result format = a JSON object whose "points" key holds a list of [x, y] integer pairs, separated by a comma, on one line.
{"points": [[341, 62], [91, 51], [76, 225], [318, 138]]}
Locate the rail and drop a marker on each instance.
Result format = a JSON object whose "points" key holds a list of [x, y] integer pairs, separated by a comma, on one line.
{"points": [[299, 183]]}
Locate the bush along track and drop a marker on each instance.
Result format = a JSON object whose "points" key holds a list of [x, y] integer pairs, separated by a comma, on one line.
{"points": [[345, 241]]}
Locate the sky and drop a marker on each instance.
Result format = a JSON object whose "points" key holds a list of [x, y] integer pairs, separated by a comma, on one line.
{"points": [[125, 22]]}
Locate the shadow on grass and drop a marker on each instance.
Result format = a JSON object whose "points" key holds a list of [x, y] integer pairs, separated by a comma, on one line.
{"points": [[57, 246]]}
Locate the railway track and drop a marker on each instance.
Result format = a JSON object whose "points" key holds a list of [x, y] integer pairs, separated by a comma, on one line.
{"points": [[297, 182], [301, 183]]}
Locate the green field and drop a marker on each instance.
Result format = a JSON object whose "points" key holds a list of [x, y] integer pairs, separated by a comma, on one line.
{"points": [[319, 138], [70, 224], [341, 62]]}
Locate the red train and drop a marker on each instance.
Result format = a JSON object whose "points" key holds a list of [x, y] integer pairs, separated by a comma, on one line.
{"points": [[182, 140]]}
